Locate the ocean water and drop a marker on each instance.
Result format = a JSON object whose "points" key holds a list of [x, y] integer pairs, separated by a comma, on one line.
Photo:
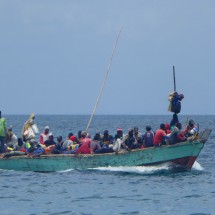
{"points": [[112, 190]]}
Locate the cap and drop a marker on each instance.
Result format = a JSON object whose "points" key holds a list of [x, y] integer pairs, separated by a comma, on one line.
{"points": [[84, 133], [73, 138], [46, 128]]}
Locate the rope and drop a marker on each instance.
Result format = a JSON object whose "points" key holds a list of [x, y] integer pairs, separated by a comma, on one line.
{"points": [[105, 79]]}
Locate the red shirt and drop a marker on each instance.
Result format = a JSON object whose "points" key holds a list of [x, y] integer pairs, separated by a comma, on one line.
{"points": [[85, 147], [159, 136]]}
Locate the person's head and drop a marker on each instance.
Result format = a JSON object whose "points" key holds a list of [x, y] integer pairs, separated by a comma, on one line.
{"points": [[51, 137], [148, 128], [73, 138], [180, 97], [59, 139], [191, 123], [83, 134], [136, 130], [10, 130], [46, 130], [97, 137], [106, 133], [20, 142], [130, 132], [69, 135], [167, 126], [119, 131], [178, 125], [162, 126], [31, 122], [32, 142], [79, 134]]}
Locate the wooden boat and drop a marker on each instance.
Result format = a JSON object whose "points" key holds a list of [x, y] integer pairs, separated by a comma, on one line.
{"points": [[183, 154]]}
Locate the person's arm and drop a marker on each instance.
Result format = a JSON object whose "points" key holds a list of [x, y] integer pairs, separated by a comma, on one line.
{"points": [[5, 127], [41, 139]]}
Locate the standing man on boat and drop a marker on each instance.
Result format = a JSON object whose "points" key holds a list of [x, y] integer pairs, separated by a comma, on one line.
{"points": [[29, 129], [3, 131]]}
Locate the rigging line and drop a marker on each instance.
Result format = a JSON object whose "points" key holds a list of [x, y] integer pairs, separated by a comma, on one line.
{"points": [[174, 78], [104, 81]]}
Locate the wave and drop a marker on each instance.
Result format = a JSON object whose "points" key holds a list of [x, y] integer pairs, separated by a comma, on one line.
{"points": [[197, 166], [137, 169], [165, 167]]}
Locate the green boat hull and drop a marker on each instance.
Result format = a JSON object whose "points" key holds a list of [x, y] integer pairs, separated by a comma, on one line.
{"points": [[183, 154]]}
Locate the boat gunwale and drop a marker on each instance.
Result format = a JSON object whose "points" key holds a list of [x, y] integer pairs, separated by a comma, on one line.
{"points": [[102, 154]]}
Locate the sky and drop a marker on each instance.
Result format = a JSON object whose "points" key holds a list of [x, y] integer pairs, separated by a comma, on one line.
{"points": [[54, 55]]}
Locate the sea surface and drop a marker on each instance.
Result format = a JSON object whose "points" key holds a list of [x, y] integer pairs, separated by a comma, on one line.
{"points": [[134, 190]]}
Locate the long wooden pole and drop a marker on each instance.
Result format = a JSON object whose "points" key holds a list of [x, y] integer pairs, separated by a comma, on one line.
{"points": [[174, 78], [105, 79]]}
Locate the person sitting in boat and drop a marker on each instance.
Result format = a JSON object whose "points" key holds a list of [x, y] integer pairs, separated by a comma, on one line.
{"points": [[31, 145], [50, 141], [119, 143], [41, 150], [60, 141], [130, 140], [20, 145], [167, 128], [119, 134], [95, 144], [176, 135], [79, 138], [11, 138], [148, 137], [106, 138], [160, 135], [68, 143], [45, 135], [72, 148], [191, 129], [58, 146], [137, 136], [84, 148]]}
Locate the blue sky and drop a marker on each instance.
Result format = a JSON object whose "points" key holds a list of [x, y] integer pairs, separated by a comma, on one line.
{"points": [[54, 55]]}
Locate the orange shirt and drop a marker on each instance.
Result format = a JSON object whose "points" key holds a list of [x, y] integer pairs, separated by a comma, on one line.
{"points": [[159, 136]]}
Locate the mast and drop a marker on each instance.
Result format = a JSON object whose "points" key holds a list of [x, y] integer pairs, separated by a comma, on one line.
{"points": [[104, 81]]}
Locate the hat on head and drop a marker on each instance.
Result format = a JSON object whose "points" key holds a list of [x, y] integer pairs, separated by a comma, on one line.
{"points": [[73, 138], [46, 128], [84, 133], [119, 129]]}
